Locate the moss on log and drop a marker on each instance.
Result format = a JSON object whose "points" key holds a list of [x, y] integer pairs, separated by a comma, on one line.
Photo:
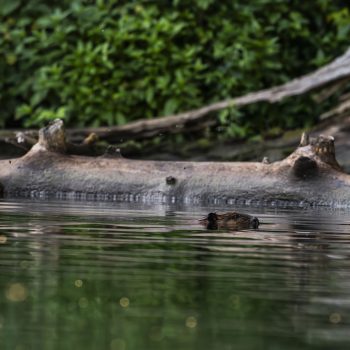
{"points": [[309, 176]]}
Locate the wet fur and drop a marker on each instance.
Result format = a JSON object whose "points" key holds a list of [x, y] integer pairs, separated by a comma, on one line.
{"points": [[230, 220]]}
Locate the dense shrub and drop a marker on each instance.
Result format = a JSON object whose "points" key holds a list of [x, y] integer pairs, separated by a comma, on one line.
{"points": [[109, 62]]}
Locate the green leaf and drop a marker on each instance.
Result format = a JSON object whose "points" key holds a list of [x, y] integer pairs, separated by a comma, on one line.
{"points": [[171, 106], [8, 6]]}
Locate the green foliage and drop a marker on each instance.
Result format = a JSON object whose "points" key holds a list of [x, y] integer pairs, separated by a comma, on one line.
{"points": [[100, 62]]}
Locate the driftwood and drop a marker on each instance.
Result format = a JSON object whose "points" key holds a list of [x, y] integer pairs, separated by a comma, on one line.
{"points": [[309, 176], [25, 140]]}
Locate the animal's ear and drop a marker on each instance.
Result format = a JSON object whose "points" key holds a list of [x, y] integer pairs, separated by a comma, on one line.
{"points": [[212, 216]]}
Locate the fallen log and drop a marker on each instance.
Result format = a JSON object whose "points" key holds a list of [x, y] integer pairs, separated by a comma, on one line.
{"points": [[309, 176]]}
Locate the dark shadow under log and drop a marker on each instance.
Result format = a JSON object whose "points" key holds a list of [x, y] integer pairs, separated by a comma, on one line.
{"points": [[310, 176]]}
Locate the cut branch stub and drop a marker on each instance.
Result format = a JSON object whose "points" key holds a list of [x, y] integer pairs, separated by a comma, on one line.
{"points": [[305, 139], [170, 180], [323, 147], [53, 137], [25, 141]]}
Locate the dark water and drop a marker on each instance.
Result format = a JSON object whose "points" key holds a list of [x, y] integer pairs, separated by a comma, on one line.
{"points": [[121, 276]]}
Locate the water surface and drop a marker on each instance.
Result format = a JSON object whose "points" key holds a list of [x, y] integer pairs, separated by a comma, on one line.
{"points": [[123, 276]]}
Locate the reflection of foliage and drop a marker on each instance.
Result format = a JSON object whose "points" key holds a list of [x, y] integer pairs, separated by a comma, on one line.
{"points": [[75, 293], [91, 284], [109, 62]]}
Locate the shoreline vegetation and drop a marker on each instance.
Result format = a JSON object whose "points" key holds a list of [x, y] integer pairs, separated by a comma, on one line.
{"points": [[113, 63], [155, 138]]}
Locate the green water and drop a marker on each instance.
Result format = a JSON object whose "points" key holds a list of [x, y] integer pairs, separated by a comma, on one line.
{"points": [[121, 277]]}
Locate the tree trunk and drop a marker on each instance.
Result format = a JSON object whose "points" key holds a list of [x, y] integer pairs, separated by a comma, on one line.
{"points": [[309, 176]]}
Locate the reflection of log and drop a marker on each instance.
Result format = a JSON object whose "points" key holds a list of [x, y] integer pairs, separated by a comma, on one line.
{"points": [[310, 174]]}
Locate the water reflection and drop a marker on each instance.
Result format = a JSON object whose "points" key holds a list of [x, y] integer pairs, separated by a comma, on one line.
{"points": [[117, 276]]}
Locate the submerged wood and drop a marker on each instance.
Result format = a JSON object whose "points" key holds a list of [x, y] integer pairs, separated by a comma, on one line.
{"points": [[310, 175]]}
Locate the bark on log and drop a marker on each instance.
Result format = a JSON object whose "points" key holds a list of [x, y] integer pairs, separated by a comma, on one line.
{"points": [[309, 176]]}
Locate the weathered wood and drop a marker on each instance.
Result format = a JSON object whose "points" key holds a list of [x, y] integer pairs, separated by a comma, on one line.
{"points": [[342, 109], [310, 175], [26, 140]]}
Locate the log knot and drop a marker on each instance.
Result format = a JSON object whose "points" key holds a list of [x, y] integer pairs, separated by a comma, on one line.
{"points": [[53, 137], [305, 168], [170, 180]]}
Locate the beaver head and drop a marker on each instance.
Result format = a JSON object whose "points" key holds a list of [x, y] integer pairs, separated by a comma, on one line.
{"points": [[254, 222], [212, 217]]}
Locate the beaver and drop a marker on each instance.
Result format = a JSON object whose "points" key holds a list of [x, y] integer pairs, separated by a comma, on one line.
{"points": [[230, 220]]}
